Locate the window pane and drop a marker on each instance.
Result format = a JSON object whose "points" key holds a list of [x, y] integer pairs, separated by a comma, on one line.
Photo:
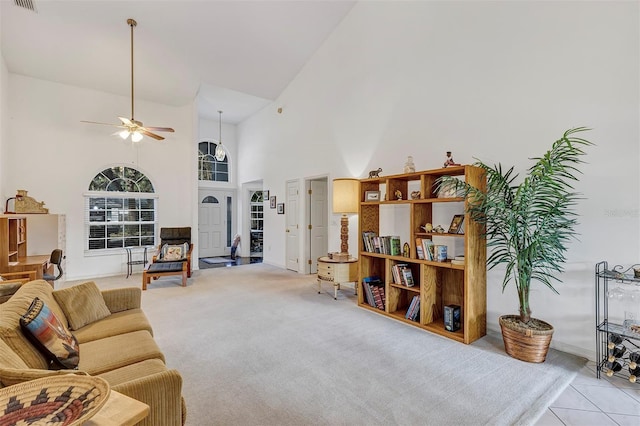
{"points": [[222, 167], [147, 203], [132, 174], [203, 148], [146, 241], [114, 231], [146, 216], [112, 173], [147, 230], [222, 177], [99, 183], [96, 244], [96, 231], [97, 203], [132, 203], [132, 242], [114, 242], [131, 216], [97, 216], [131, 230]]}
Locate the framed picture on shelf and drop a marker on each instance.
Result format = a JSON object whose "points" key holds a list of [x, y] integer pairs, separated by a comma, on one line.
{"points": [[265, 195], [372, 196], [272, 201], [456, 224], [281, 208]]}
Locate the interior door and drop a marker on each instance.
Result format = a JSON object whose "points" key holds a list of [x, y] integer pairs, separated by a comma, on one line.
{"points": [[318, 231], [212, 223], [292, 238]]}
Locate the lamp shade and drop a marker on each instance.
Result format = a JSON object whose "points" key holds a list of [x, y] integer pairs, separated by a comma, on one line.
{"points": [[346, 195]]}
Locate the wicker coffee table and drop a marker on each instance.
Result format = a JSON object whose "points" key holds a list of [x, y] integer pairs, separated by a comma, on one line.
{"points": [[162, 269]]}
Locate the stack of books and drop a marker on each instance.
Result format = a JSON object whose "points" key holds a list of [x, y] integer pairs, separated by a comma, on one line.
{"points": [[402, 275], [413, 313], [374, 292], [389, 244], [458, 260]]}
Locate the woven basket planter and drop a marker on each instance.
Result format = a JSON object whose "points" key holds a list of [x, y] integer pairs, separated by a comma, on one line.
{"points": [[525, 344]]}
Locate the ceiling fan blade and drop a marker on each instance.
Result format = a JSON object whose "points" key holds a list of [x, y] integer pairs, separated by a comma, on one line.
{"points": [[145, 132], [126, 121], [160, 129], [104, 124]]}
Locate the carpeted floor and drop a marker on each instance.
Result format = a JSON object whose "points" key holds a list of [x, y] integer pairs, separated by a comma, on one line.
{"points": [[257, 345]]}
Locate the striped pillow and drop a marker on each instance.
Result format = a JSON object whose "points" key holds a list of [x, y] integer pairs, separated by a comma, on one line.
{"points": [[82, 304]]}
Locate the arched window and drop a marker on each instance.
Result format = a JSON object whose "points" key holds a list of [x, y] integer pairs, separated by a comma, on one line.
{"points": [[210, 169], [120, 210]]}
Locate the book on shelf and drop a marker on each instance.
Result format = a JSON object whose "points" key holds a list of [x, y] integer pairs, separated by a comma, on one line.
{"points": [[458, 260], [374, 292], [413, 312], [429, 249], [407, 276], [419, 249], [395, 249]]}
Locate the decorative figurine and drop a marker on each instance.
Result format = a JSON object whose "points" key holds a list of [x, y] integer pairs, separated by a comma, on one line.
{"points": [[415, 195], [409, 167], [375, 173], [427, 227], [27, 204], [449, 160], [438, 229], [398, 194], [406, 250]]}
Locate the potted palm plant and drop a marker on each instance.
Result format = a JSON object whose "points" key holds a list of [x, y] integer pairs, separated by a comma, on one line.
{"points": [[527, 226]]}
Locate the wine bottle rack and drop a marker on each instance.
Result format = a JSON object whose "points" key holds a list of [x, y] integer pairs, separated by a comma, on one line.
{"points": [[625, 332]]}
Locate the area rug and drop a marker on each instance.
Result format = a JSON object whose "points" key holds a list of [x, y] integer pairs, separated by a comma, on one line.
{"points": [[259, 346], [214, 260]]}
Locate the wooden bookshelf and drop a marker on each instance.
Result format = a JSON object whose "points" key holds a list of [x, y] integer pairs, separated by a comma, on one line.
{"points": [[438, 283]]}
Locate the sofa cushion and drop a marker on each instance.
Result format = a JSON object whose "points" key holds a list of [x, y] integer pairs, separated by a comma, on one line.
{"points": [[12, 310], [50, 335], [8, 358], [114, 324], [133, 371], [82, 304], [118, 351]]}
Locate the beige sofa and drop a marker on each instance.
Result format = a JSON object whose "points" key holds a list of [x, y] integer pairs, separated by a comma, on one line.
{"points": [[119, 348]]}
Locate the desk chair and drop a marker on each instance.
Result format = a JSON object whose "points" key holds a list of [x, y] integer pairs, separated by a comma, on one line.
{"points": [[56, 259]]}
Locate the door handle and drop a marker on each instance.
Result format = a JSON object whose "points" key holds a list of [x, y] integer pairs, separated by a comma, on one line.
{"points": [[287, 230]]}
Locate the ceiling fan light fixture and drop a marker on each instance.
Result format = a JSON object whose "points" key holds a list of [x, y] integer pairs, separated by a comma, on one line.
{"points": [[136, 137], [124, 134], [220, 153]]}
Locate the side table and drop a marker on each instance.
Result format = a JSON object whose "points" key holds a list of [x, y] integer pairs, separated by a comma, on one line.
{"points": [[337, 272], [131, 262]]}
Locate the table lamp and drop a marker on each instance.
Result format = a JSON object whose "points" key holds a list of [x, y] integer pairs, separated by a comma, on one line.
{"points": [[346, 198]]}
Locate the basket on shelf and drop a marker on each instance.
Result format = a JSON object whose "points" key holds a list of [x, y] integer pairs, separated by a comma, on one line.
{"points": [[58, 400]]}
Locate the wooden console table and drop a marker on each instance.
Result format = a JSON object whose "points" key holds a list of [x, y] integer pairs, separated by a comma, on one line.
{"points": [[337, 272]]}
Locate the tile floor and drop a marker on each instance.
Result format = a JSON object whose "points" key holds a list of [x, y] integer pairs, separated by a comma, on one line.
{"points": [[592, 401]]}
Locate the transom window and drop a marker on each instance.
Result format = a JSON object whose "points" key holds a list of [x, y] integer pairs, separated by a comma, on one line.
{"points": [[120, 210], [210, 169]]}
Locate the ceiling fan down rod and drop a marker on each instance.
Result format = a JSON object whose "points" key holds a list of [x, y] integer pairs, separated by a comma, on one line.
{"points": [[132, 23]]}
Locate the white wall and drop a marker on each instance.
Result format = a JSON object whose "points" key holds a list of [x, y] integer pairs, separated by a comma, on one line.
{"points": [[498, 81], [54, 156]]}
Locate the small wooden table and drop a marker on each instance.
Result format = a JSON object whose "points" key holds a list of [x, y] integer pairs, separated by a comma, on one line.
{"points": [[337, 272], [119, 410], [38, 263]]}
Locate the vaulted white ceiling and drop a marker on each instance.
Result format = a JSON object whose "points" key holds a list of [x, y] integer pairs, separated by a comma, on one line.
{"points": [[237, 56]]}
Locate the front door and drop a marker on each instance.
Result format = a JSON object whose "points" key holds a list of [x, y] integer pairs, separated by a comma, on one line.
{"points": [[291, 213], [213, 223]]}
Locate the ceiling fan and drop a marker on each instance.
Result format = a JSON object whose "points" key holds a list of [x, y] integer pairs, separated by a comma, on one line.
{"points": [[132, 127]]}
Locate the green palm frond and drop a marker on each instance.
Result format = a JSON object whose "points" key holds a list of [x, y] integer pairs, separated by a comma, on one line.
{"points": [[528, 225]]}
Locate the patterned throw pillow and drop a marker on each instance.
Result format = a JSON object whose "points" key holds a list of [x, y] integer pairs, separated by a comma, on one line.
{"points": [[174, 252], [50, 336]]}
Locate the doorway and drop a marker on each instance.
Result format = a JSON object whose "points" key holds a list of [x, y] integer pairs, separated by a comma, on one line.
{"points": [[215, 224], [292, 241], [318, 229]]}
